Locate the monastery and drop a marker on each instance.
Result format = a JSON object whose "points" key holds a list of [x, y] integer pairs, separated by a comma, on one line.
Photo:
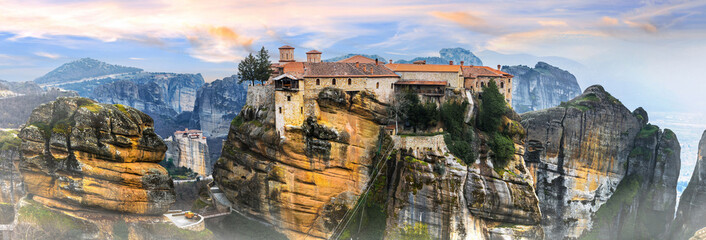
{"points": [[297, 84]]}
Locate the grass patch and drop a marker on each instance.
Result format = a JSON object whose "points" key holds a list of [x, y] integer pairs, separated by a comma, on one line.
{"points": [[410, 159], [94, 108], [237, 121], [122, 109], [669, 135], [647, 131], [54, 223]]}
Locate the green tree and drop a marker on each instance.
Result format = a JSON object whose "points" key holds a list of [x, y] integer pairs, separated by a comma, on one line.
{"points": [[492, 108], [255, 68]]}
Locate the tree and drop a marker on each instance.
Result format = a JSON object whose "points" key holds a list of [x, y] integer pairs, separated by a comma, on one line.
{"points": [[255, 68], [492, 108]]}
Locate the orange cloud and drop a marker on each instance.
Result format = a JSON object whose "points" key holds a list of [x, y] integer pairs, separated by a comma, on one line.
{"points": [[552, 23], [609, 21], [227, 34], [647, 27], [466, 20]]}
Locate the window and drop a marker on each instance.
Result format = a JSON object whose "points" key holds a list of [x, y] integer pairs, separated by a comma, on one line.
{"points": [[377, 85], [502, 84], [392, 85], [349, 81], [289, 98], [301, 109], [317, 82], [333, 82], [280, 109]]}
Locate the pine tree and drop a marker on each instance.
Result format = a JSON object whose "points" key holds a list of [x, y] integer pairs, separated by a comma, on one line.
{"points": [[492, 108], [255, 68]]}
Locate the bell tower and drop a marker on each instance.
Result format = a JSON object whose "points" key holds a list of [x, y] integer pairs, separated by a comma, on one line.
{"points": [[286, 54]]}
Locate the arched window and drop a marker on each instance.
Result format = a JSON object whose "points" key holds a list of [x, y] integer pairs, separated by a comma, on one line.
{"points": [[280, 109], [502, 84], [392, 85], [317, 82], [349, 81], [482, 84], [333, 82], [377, 85], [289, 98]]}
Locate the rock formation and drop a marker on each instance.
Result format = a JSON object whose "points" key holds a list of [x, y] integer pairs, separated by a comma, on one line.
{"points": [[217, 103], [15, 109], [77, 153], [189, 149], [449, 54], [692, 204], [600, 170], [308, 181], [541, 87], [305, 180]]}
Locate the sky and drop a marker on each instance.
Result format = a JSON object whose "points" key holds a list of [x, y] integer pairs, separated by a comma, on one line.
{"points": [[646, 53]]}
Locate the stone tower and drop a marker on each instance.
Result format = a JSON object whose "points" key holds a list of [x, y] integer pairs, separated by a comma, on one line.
{"points": [[313, 56], [286, 54]]}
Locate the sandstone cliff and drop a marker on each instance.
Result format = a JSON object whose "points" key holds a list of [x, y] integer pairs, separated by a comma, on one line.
{"points": [[692, 205], [77, 153], [541, 87], [313, 181], [600, 170], [305, 180]]}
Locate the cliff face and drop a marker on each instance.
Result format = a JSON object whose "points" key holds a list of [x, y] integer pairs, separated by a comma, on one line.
{"points": [[217, 103], [453, 200], [600, 170], [308, 181], [78, 153], [541, 87], [11, 188], [305, 180], [692, 204], [190, 151]]}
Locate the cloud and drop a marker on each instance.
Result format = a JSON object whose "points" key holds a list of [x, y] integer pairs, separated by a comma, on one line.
{"points": [[552, 23], [47, 55], [647, 27], [470, 21], [609, 21], [136, 58]]}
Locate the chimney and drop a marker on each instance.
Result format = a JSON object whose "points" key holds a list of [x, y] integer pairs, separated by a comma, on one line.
{"points": [[461, 63], [376, 62], [451, 62], [357, 65], [498, 66], [390, 61], [364, 68], [420, 62], [371, 71]]}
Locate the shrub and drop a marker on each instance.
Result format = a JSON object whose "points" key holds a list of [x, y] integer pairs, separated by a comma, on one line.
{"points": [[459, 137], [504, 149], [418, 231]]}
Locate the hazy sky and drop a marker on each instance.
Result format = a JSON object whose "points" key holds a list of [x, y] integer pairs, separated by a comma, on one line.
{"points": [[647, 53]]}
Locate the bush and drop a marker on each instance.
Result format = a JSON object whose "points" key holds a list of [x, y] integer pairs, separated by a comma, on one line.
{"points": [[459, 137], [504, 149], [420, 115], [492, 108]]}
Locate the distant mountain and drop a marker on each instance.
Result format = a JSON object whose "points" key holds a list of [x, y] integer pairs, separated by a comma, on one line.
{"points": [[543, 86], [20, 87], [15, 110], [339, 58], [83, 68], [450, 54]]}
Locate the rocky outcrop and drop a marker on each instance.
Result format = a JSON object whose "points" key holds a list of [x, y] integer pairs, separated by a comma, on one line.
{"points": [[692, 204], [77, 153], [600, 170], [541, 87], [304, 181], [449, 54], [217, 103], [11, 188], [189, 149], [15, 110]]}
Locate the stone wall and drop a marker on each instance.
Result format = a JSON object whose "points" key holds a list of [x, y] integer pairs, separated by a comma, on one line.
{"points": [[455, 79], [261, 96], [289, 109], [504, 85], [382, 87], [416, 145]]}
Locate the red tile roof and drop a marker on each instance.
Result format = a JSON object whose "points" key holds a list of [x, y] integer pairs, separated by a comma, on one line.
{"points": [[337, 69], [429, 83], [286, 47], [313, 51], [482, 71], [403, 67], [357, 58]]}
